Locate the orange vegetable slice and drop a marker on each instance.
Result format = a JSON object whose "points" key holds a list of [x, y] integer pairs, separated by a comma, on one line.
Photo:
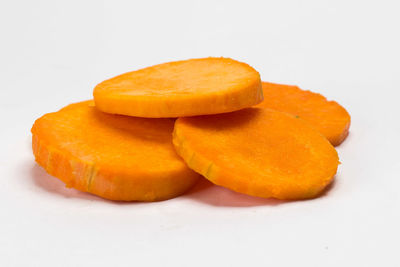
{"points": [[115, 157], [328, 117], [182, 88], [259, 152]]}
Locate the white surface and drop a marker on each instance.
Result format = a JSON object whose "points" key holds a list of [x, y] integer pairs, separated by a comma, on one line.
{"points": [[54, 52]]}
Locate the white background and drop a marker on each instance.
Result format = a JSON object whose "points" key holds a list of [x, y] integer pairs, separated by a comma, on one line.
{"points": [[54, 52]]}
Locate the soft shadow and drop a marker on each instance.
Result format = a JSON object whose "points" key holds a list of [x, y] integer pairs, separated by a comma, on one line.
{"points": [[328, 188], [204, 192], [129, 127], [226, 121], [345, 140], [54, 186], [214, 195]]}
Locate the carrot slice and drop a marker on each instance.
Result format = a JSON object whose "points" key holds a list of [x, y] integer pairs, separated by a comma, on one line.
{"points": [[258, 152], [328, 117], [112, 156], [182, 88]]}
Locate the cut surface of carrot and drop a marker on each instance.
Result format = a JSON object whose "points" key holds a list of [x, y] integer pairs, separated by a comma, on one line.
{"points": [[112, 156], [182, 88], [328, 117], [259, 152]]}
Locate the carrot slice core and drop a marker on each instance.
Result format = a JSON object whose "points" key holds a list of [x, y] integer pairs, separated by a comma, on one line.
{"points": [[181, 88], [112, 156], [258, 152]]}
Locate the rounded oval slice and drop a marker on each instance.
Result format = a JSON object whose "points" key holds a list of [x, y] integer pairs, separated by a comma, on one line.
{"points": [[328, 117], [182, 88], [258, 152], [112, 156]]}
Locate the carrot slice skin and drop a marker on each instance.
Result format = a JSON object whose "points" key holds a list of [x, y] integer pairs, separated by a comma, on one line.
{"points": [[328, 117], [182, 88], [114, 157], [258, 152]]}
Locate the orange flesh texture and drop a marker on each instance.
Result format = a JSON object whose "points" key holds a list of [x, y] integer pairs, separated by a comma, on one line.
{"points": [[328, 117], [258, 152], [181, 88], [112, 156]]}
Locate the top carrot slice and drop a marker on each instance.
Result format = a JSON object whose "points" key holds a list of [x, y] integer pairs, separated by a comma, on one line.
{"points": [[257, 151], [182, 88], [328, 117], [115, 157]]}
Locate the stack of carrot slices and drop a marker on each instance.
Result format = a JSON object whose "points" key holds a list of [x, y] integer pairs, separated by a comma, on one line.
{"points": [[257, 138]]}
